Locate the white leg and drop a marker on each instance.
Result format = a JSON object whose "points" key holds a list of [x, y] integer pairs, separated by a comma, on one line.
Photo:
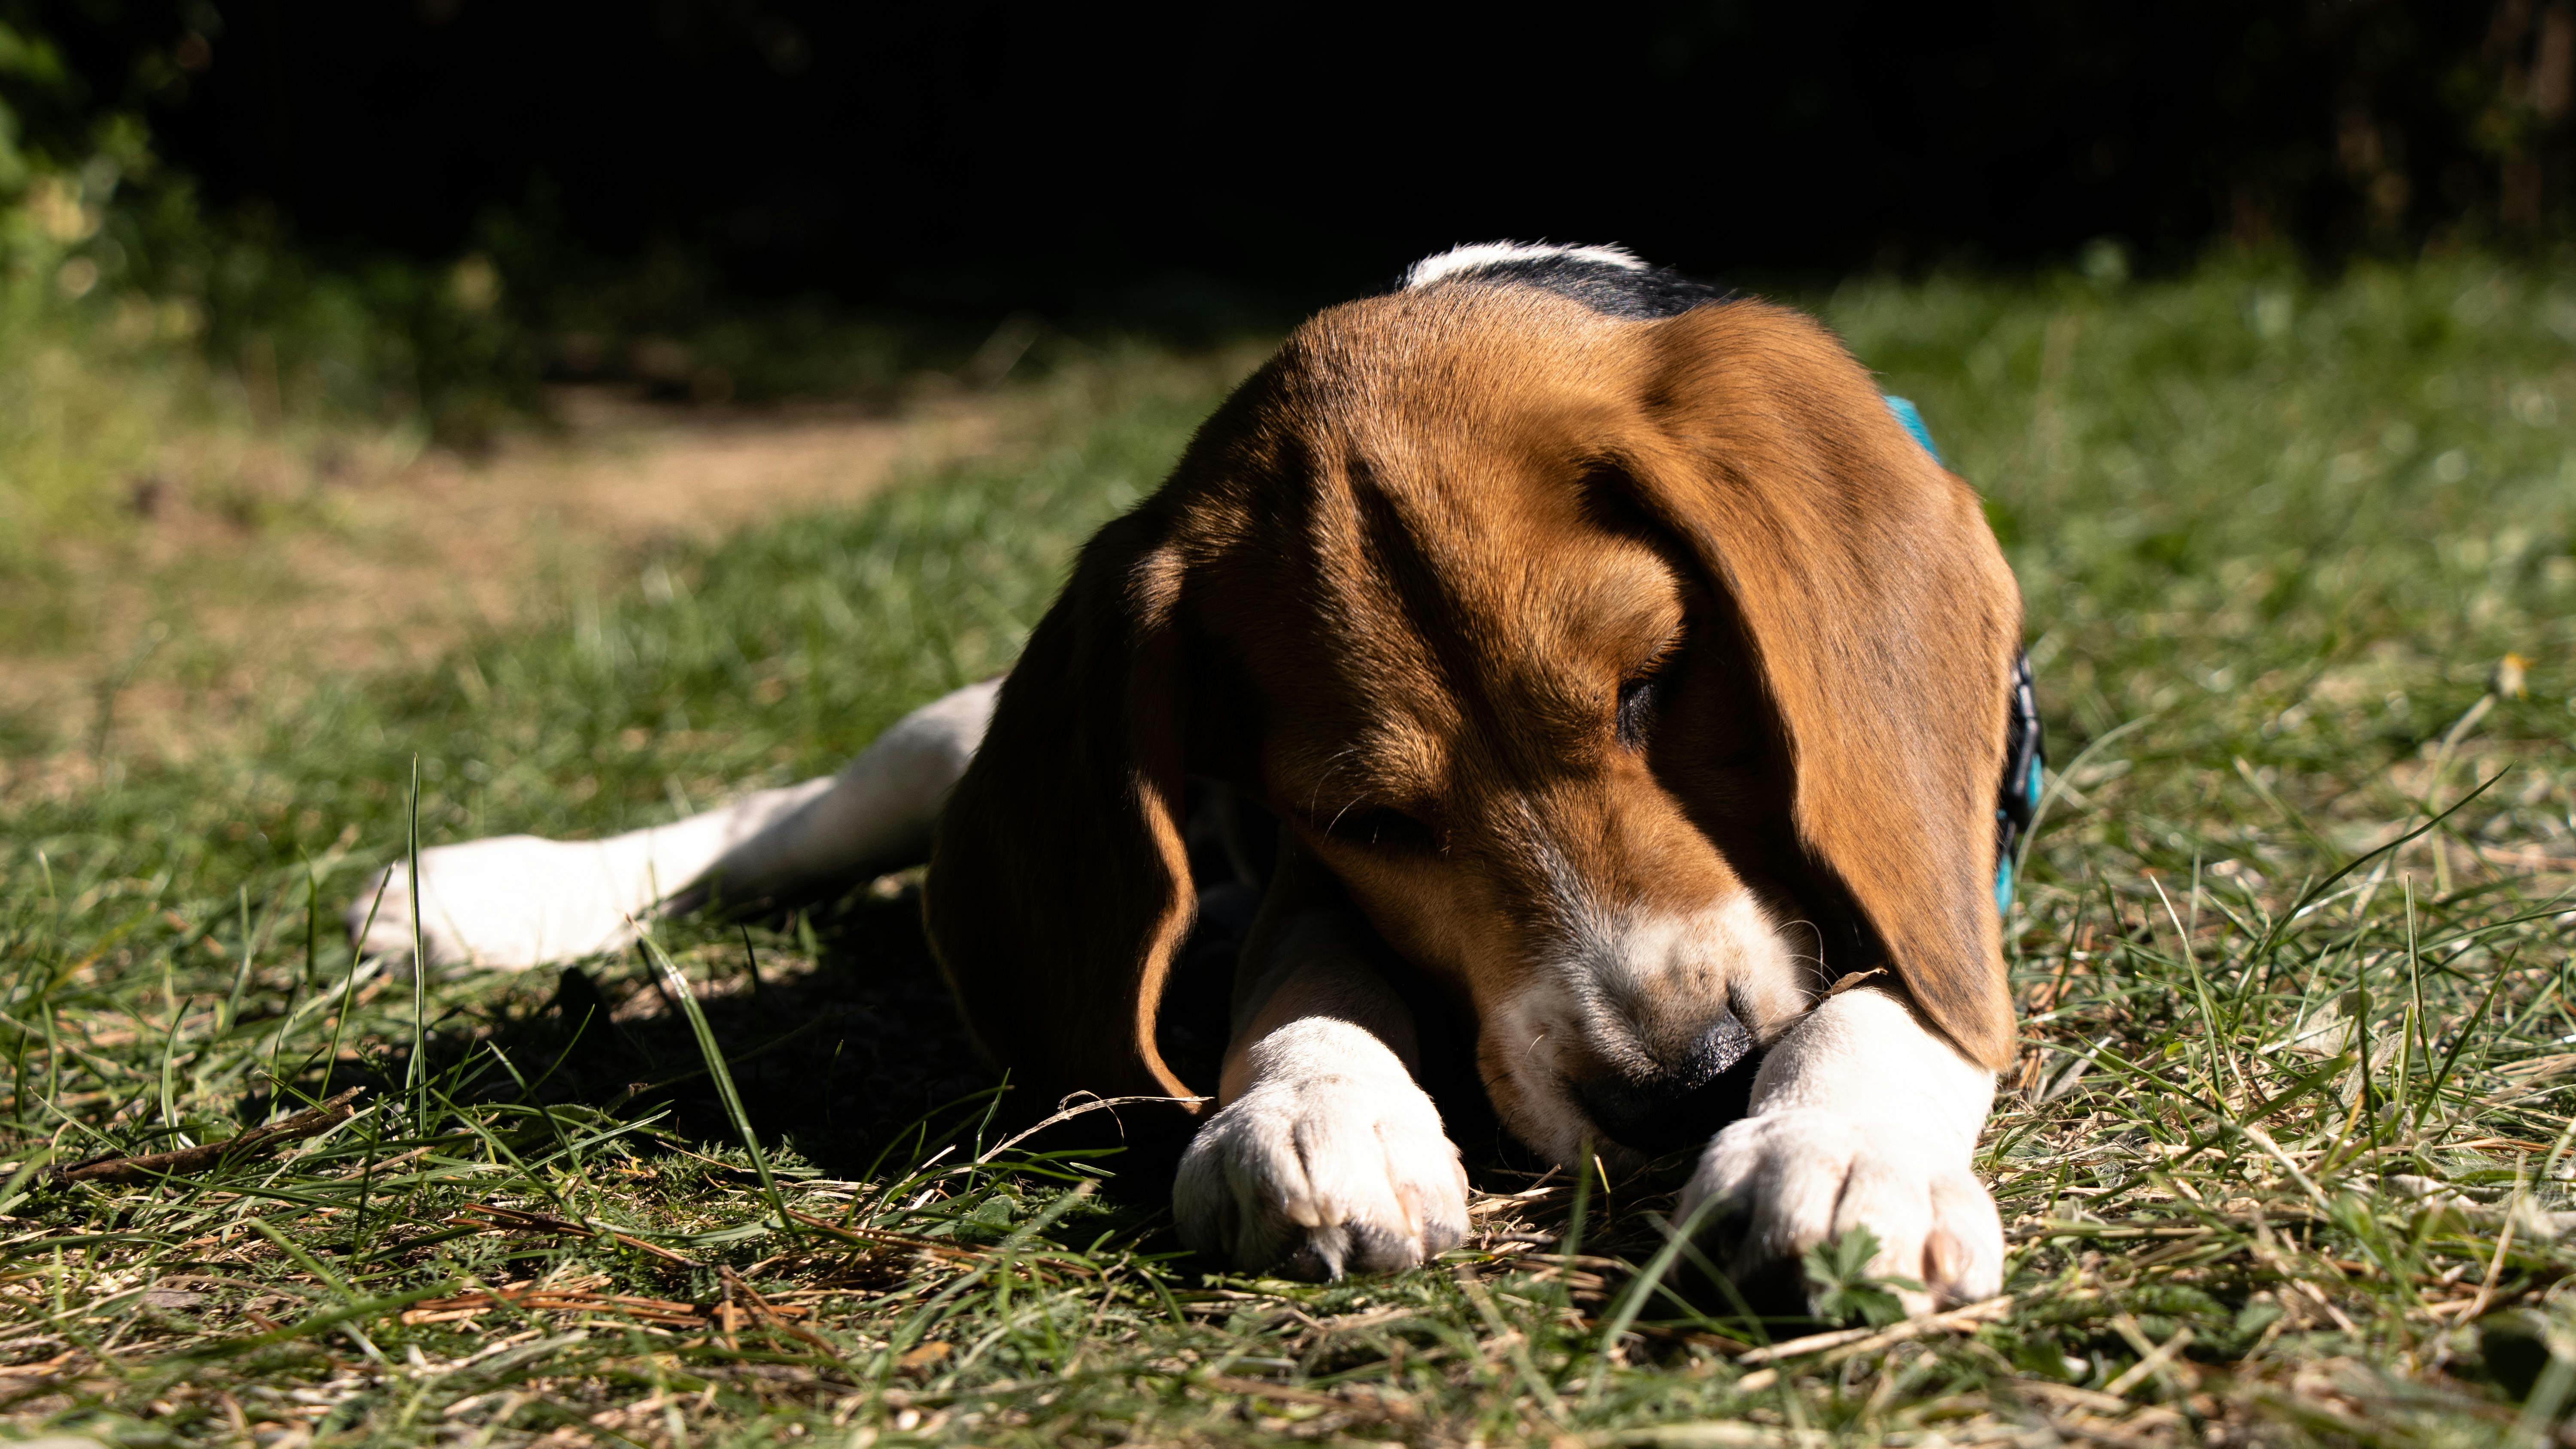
{"points": [[877, 812], [1325, 1156], [1863, 1118], [515, 901]]}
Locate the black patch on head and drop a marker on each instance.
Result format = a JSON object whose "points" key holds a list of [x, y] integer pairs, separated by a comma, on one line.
{"points": [[1640, 294]]}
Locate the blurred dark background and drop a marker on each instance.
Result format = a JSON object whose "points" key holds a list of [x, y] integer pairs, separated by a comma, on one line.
{"points": [[1077, 158], [529, 188]]}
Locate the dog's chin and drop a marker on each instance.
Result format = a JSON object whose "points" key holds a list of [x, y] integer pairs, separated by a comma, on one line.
{"points": [[1552, 1123], [1689, 1123], [1537, 1109]]}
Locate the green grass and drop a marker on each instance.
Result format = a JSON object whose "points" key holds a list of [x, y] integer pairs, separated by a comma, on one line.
{"points": [[2285, 1161], [85, 397]]}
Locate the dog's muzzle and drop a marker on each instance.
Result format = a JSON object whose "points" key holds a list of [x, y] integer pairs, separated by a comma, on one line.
{"points": [[1685, 1101]]}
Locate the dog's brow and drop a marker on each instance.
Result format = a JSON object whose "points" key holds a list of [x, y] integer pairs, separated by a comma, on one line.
{"points": [[1381, 765], [1412, 585], [1392, 543], [1324, 776]]}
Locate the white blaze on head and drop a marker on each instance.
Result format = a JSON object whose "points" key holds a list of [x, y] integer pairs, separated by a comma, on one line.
{"points": [[1489, 254]]}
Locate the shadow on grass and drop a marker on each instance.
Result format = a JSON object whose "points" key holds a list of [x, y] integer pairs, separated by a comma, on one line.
{"points": [[841, 1036], [839, 1055]]}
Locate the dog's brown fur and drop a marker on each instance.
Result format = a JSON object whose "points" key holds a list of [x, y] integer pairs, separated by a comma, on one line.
{"points": [[1391, 593]]}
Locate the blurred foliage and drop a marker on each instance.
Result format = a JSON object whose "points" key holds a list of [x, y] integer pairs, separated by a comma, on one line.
{"points": [[94, 223], [129, 317], [136, 320]]}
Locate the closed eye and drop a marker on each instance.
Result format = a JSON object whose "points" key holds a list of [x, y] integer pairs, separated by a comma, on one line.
{"points": [[1383, 829], [1636, 711]]}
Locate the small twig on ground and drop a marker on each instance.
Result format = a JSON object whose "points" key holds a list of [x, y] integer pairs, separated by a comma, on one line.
{"points": [[196, 1159], [1068, 1113]]}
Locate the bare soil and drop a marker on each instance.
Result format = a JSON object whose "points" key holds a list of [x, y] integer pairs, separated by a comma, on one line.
{"points": [[252, 566]]}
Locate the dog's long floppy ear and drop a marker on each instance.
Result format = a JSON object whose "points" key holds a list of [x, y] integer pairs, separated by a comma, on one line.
{"points": [[1882, 618], [1059, 887]]}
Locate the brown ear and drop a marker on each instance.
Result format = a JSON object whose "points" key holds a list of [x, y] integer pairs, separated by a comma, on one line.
{"points": [[1883, 620], [1059, 887]]}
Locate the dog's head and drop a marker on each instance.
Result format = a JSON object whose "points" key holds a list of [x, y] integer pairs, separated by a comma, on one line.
{"points": [[1635, 678]]}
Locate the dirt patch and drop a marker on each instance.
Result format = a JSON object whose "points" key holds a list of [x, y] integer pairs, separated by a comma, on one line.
{"points": [[255, 565]]}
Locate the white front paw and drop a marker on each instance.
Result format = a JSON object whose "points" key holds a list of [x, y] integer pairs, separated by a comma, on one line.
{"points": [[1335, 1166], [1794, 1178]]}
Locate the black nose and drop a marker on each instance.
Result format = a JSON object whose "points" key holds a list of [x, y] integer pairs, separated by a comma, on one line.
{"points": [[1683, 1102]]}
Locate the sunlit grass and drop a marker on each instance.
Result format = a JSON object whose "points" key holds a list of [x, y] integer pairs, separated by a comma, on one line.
{"points": [[2286, 1157]]}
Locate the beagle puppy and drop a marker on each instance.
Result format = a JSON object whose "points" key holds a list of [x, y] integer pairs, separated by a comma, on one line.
{"points": [[1591, 667]]}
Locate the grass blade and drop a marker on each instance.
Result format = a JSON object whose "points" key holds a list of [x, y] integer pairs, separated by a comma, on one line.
{"points": [[717, 1072]]}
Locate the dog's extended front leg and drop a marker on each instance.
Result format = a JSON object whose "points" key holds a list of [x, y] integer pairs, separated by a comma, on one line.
{"points": [[1861, 1118], [515, 901], [1324, 1156]]}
